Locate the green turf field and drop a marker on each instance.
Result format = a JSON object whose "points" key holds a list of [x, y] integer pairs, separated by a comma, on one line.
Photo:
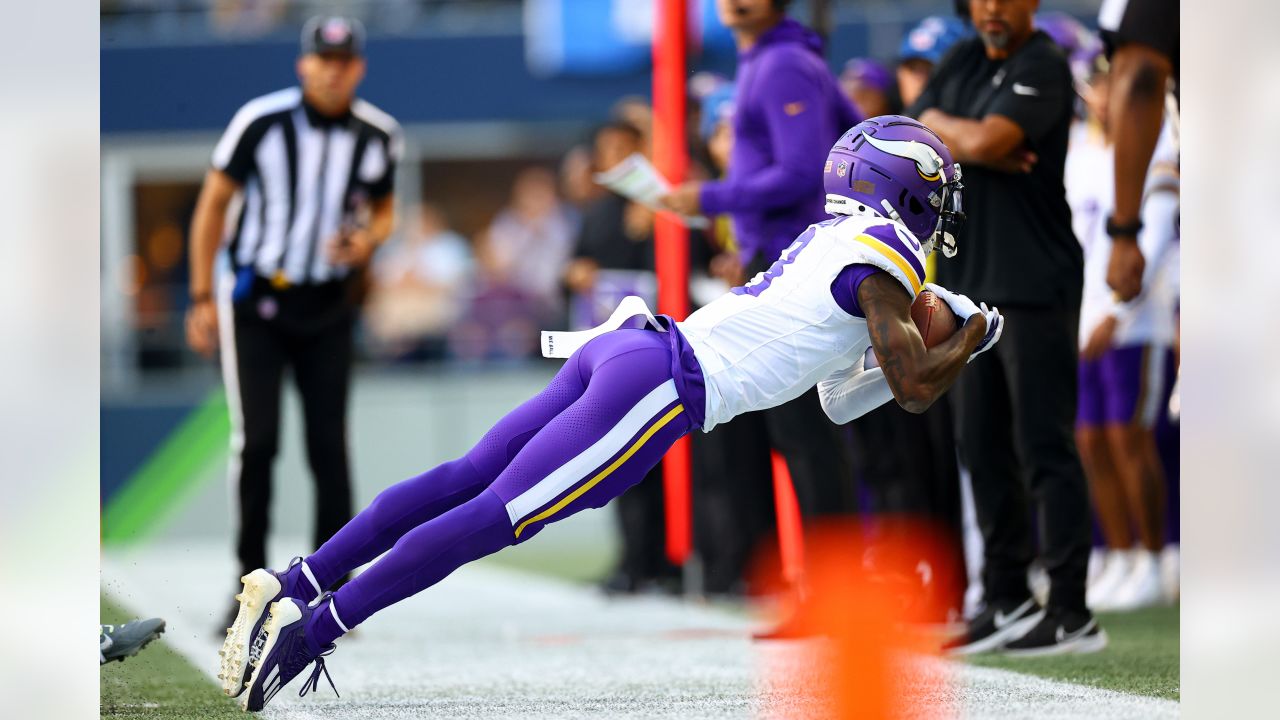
{"points": [[157, 683], [1142, 657]]}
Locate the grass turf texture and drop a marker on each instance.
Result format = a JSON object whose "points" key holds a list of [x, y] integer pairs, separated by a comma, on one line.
{"points": [[1142, 657], [157, 682]]}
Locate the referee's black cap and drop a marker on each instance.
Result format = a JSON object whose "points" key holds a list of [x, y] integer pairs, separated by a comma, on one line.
{"points": [[336, 34]]}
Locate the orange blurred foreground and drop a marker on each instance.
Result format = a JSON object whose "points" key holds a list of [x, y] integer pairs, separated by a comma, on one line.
{"points": [[873, 591]]}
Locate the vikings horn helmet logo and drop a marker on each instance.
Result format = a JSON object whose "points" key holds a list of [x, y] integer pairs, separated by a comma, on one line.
{"points": [[928, 162]]}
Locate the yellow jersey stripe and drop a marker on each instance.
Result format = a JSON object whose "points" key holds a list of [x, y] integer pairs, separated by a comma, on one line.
{"points": [[895, 258], [603, 473]]}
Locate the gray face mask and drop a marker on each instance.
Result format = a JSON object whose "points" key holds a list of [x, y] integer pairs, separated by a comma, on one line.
{"points": [[950, 203]]}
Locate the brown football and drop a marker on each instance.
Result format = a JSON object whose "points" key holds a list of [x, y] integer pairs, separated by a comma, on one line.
{"points": [[933, 318]]}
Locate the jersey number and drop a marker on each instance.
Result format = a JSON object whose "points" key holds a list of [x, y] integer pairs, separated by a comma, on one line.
{"points": [[762, 281]]}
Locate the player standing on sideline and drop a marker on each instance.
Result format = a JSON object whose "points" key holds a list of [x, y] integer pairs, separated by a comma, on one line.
{"points": [[623, 397], [1125, 360], [1142, 38], [1003, 102], [314, 166], [788, 110]]}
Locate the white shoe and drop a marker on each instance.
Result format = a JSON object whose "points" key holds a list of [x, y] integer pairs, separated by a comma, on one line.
{"points": [[1038, 582], [1143, 587], [1115, 569], [1171, 572], [1097, 561]]}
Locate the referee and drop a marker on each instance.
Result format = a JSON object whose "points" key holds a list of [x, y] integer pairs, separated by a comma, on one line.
{"points": [[313, 166]]}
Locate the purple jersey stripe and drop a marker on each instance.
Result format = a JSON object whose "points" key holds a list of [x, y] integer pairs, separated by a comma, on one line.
{"points": [[631, 441], [888, 235], [761, 283]]}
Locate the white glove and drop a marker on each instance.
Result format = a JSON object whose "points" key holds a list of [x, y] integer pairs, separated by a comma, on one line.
{"points": [[964, 308], [995, 326]]}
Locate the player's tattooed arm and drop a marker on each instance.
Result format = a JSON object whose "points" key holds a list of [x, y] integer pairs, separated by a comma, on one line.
{"points": [[916, 375]]}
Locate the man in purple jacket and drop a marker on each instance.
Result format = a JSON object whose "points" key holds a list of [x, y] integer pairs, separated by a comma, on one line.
{"points": [[788, 110]]}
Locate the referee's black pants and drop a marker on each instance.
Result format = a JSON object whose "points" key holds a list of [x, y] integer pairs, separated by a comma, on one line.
{"points": [[309, 330], [1015, 409]]}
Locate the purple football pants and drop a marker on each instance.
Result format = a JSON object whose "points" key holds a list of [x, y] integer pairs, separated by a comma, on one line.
{"points": [[602, 423], [1124, 386]]}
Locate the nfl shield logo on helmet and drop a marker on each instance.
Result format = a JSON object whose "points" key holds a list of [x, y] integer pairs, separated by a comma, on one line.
{"points": [[842, 168]]}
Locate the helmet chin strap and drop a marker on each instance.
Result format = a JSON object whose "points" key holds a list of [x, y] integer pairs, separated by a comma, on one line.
{"points": [[841, 205], [928, 244], [893, 214]]}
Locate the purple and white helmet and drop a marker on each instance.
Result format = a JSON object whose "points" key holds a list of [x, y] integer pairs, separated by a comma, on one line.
{"points": [[899, 169]]}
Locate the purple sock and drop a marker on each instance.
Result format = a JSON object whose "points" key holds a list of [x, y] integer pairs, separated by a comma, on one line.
{"points": [[423, 557], [397, 510], [324, 626], [298, 585]]}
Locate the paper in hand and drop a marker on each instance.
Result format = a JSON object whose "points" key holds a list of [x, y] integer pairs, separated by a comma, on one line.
{"points": [[635, 178]]}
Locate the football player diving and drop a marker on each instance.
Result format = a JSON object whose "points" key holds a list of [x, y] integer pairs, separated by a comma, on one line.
{"points": [[625, 395]]}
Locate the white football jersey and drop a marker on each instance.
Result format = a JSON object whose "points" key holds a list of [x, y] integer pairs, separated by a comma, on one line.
{"points": [[769, 341], [1090, 191]]}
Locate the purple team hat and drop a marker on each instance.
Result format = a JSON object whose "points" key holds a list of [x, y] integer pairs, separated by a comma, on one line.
{"points": [[900, 169], [868, 72]]}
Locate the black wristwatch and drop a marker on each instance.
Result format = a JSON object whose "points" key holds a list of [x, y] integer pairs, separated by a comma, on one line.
{"points": [[1129, 230]]}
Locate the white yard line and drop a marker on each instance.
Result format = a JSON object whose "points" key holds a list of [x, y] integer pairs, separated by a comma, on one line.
{"points": [[493, 643]]}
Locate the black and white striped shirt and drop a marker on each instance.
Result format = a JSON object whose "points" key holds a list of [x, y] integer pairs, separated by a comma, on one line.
{"points": [[303, 176]]}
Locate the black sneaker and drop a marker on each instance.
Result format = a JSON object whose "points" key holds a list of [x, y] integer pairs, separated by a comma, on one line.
{"points": [[998, 623], [117, 642], [1061, 632]]}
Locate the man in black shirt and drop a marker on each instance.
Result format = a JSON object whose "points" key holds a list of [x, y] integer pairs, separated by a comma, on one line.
{"points": [[1003, 103]]}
